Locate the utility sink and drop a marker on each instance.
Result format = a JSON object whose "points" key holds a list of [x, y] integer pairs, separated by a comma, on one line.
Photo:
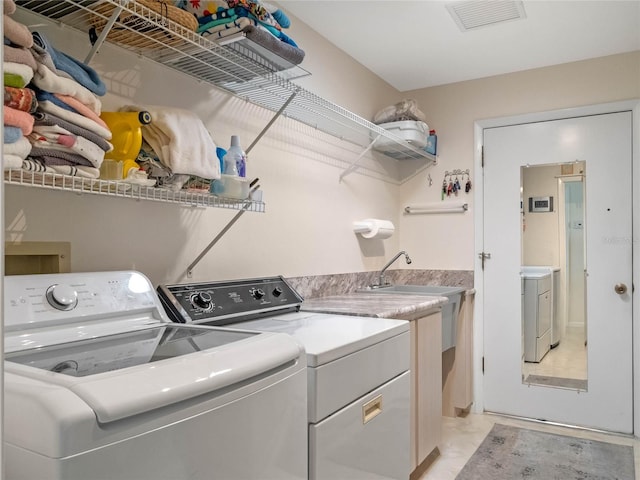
{"points": [[449, 310]]}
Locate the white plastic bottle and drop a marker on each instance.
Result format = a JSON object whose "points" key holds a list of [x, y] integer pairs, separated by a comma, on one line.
{"points": [[235, 159]]}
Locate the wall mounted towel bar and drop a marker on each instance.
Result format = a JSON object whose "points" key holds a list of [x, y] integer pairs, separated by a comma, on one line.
{"points": [[452, 208]]}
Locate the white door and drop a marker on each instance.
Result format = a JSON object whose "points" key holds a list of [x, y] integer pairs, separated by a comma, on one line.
{"points": [[604, 143]]}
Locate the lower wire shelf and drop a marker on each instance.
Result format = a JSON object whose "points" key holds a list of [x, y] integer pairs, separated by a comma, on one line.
{"points": [[113, 188]]}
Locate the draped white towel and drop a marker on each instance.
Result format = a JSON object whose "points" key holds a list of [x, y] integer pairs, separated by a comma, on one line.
{"points": [[180, 140]]}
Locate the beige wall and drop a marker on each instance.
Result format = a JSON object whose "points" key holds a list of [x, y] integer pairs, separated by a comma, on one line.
{"points": [[308, 225], [446, 241], [337, 77], [307, 228], [540, 235]]}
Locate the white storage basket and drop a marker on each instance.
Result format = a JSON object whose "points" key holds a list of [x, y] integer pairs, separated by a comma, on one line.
{"points": [[413, 132]]}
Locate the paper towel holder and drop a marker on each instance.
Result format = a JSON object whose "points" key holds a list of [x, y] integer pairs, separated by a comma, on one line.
{"points": [[374, 228]]}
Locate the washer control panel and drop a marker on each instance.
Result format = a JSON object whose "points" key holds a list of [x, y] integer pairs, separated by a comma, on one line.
{"points": [[62, 297], [220, 303], [34, 301]]}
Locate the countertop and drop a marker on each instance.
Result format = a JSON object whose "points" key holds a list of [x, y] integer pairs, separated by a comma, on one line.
{"points": [[401, 306]]}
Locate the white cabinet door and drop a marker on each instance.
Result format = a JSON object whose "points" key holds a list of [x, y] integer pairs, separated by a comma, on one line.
{"points": [[360, 441], [458, 386], [428, 372]]}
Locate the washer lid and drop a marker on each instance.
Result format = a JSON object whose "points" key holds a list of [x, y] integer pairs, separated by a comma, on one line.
{"points": [[133, 372], [328, 337], [529, 269]]}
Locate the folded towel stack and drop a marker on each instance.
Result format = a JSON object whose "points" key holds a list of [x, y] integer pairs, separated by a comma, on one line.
{"points": [[68, 135], [19, 102], [52, 109], [259, 21]]}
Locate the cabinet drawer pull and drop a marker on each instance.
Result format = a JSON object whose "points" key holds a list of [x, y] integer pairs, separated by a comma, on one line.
{"points": [[371, 409]]}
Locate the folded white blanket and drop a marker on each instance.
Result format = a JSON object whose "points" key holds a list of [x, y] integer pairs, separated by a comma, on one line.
{"points": [[48, 81], [69, 143], [75, 118], [11, 161], [77, 171], [180, 140], [21, 148], [25, 71]]}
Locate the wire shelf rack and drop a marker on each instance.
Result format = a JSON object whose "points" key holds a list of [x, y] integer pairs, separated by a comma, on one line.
{"points": [[113, 188], [240, 67]]}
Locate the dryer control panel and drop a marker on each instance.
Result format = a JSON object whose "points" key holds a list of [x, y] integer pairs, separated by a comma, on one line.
{"points": [[220, 303]]}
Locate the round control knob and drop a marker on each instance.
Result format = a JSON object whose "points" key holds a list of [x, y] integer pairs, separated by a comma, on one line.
{"points": [[277, 292], [258, 293], [62, 297], [202, 300]]}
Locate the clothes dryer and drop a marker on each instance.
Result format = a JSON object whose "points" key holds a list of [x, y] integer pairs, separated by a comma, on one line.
{"points": [[358, 371]]}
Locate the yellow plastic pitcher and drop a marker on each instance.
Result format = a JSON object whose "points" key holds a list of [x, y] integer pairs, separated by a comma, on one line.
{"points": [[126, 136]]}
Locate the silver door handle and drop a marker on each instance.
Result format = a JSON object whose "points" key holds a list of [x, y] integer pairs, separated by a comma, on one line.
{"points": [[620, 288]]}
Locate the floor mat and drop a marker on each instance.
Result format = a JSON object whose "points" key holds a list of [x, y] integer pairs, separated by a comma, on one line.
{"points": [[509, 453]]}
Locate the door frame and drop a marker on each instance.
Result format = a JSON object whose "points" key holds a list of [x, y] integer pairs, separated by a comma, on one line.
{"points": [[478, 324]]}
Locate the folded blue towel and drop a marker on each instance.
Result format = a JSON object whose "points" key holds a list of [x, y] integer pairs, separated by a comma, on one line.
{"points": [[11, 134], [81, 73], [43, 96], [243, 12]]}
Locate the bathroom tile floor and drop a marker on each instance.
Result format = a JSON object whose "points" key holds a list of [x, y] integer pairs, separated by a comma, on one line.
{"points": [[462, 436]]}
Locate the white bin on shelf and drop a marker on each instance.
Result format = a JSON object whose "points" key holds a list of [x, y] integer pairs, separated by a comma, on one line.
{"points": [[411, 131]]}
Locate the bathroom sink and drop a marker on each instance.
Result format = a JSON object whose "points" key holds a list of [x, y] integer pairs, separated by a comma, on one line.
{"points": [[449, 310]]}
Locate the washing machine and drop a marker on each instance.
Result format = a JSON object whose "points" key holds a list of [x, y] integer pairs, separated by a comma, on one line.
{"points": [[358, 371], [100, 384], [537, 317], [557, 321]]}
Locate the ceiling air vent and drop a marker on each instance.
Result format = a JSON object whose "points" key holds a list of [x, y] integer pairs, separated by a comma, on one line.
{"points": [[469, 15]]}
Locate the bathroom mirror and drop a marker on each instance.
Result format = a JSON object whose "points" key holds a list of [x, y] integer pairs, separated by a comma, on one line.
{"points": [[553, 293]]}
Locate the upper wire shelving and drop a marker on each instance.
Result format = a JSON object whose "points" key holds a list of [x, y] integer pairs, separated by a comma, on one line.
{"points": [[112, 188], [240, 67]]}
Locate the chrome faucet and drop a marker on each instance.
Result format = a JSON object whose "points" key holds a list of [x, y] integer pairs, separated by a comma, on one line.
{"points": [[381, 280]]}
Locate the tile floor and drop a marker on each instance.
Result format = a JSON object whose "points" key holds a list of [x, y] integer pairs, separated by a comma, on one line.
{"points": [[462, 436], [567, 360]]}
